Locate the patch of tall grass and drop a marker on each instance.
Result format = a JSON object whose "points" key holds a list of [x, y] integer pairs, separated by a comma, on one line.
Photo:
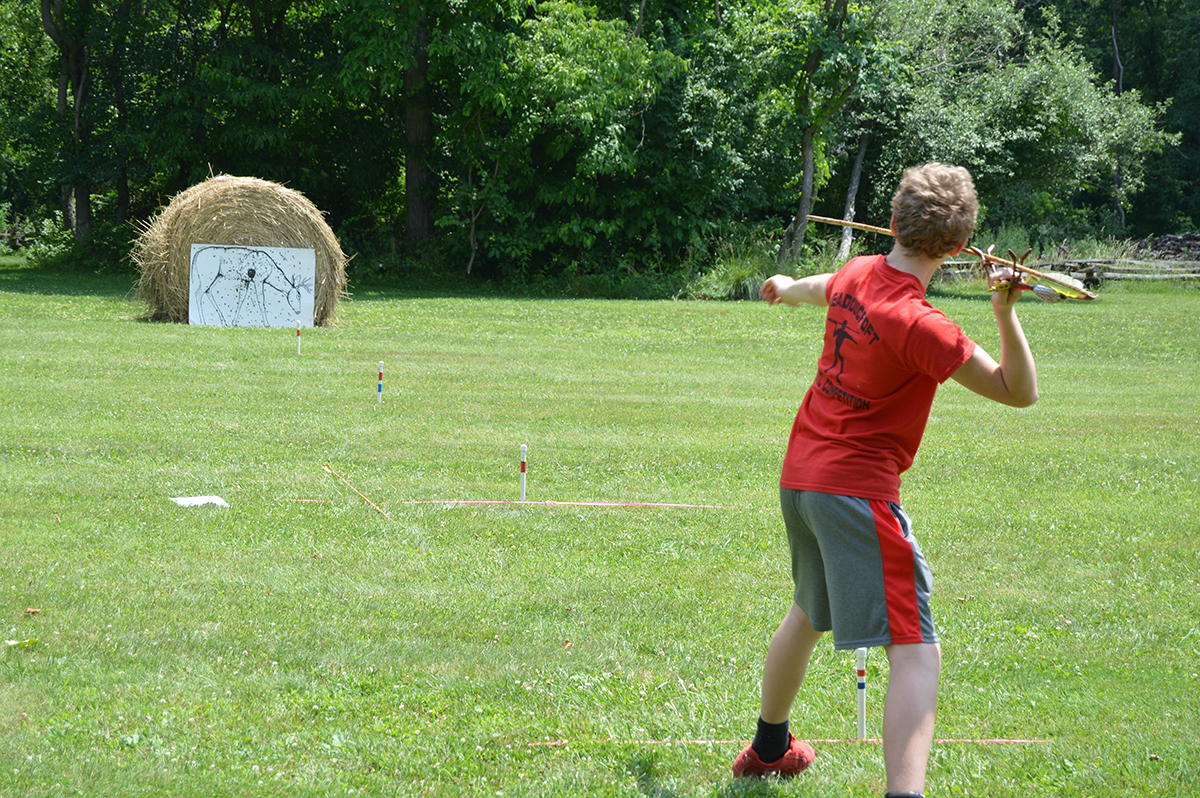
{"points": [[741, 265], [1018, 240]]}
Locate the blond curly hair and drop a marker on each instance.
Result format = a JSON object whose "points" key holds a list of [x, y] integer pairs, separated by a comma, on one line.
{"points": [[934, 209]]}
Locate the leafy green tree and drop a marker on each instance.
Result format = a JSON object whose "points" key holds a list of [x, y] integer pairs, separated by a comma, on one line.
{"points": [[815, 54], [253, 87], [1147, 46], [583, 87], [98, 70], [694, 154], [537, 116], [155, 95], [27, 104], [1156, 51], [566, 138], [415, 56], [70, 27], [1024, 112]]}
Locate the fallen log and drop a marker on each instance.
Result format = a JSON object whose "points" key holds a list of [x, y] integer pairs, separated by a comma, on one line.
{"points": [[1143, 276]]}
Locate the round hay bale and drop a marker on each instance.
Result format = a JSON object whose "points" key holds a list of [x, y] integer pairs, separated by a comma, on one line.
{"points": [[240, 211]]}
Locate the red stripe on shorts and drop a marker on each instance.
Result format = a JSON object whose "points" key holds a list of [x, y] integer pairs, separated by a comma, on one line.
{"points": [[899, 577]]}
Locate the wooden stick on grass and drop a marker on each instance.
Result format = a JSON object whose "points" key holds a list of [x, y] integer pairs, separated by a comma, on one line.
{"points": [[382, 512]]}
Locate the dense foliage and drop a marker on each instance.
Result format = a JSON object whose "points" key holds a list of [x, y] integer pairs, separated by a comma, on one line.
{"points": [[561, 139]]}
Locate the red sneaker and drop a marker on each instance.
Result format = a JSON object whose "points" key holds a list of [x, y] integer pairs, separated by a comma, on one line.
{"points": [[798, 756]]}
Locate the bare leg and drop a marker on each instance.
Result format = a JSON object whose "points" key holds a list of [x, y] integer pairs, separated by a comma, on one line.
{"points": [[787, 660], [908, 714]]}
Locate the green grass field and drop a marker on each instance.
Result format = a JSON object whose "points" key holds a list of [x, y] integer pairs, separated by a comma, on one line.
{"points": [[301, 643]]}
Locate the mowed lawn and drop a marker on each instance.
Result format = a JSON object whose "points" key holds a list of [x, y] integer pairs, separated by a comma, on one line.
{"points": [[358, 633]]}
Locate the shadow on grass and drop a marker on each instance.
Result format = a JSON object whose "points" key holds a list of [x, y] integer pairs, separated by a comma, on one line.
{"points": [[647, 773], [644, 769], [749, 788], [417, 285], [19, 276]]}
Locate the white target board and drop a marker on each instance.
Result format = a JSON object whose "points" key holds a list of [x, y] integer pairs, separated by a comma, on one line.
{"points": [[240, 286]]}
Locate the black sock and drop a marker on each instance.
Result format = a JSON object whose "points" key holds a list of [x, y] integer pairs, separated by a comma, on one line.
{"points": [[770, 741]]}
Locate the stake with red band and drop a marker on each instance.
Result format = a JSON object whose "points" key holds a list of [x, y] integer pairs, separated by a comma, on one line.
{"points": [[860, 655], [524, 448], [380, 383], [298, 336]]}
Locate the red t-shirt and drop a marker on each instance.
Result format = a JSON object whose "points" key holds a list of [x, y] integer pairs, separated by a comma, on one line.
{"points": [[886, 351]]}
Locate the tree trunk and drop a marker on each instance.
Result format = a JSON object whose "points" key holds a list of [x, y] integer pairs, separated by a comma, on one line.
{"points": [[852, 195], [793, 239], [121, 211], [75, 82], [1118, 87], [66, 192], [418, 135], [474, 215], [83, 188], [67, 198], [83, 212], [813, 118], [120, 45]]}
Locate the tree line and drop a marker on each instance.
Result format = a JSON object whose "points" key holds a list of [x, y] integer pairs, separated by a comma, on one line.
{"points": [[517, 139]]}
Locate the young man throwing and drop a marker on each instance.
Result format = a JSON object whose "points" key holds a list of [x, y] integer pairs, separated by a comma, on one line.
{"points": [[857, 568]]}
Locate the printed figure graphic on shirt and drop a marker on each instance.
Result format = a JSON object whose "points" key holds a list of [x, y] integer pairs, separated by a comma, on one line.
{"points": [[840, 334]]}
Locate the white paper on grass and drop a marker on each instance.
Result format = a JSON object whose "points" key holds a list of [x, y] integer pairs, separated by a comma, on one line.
{"points": [[196, 501], [239, 286]]}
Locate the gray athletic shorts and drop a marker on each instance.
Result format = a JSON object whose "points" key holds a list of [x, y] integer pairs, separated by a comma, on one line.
{"points": [[858, 569]]}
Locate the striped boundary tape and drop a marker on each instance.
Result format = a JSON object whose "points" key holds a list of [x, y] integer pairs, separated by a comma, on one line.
{"points": [[874, 740]]}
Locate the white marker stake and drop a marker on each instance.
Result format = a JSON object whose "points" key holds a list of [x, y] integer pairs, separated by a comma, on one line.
{"points": [[861, 657], [380, 383], [524, 448], [297, 336]]}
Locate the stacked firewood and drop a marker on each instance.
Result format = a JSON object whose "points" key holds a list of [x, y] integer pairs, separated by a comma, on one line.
{"points": [[1181, 246]]}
